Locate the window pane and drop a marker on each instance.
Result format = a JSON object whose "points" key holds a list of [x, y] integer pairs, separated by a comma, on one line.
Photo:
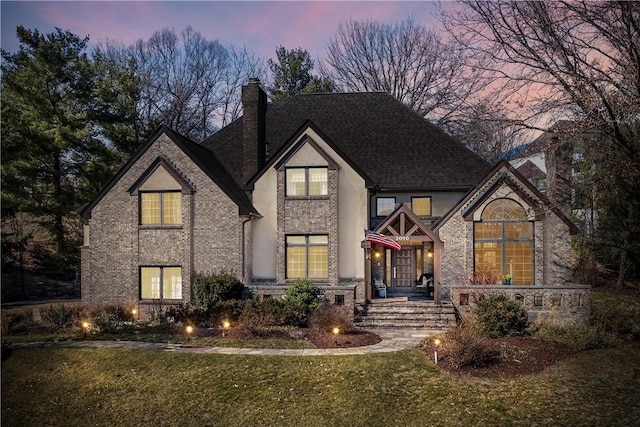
{"points": [[385, 205], [504, 209], [519, 230], [318, 262], [295, 182], [172, 283], [296, 240], [318, 240], [150, 283], [296, 262], [488, 259], [172, 208], [488, 230], [421, 205], [318, 182], [519, 262], [150, 208]]}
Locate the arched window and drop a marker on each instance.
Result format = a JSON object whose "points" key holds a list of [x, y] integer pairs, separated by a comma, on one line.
{"points": [[503, 244]]}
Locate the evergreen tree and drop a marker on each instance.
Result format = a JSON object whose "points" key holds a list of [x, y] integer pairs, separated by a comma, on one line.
{"points": [[292, 75]]}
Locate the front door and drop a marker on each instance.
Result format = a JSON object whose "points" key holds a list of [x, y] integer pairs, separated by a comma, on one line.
{"points": [[404, 279]]}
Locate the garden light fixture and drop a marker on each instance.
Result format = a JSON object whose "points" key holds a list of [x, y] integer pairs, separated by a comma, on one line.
{"points": [[225, 325], [437, 344]]}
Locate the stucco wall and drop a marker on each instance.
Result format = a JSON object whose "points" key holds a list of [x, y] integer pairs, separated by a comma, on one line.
{"points": [[343, 215]]}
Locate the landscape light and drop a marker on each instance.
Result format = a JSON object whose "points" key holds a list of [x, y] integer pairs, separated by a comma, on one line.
{"points": [[85, 327], [225, 325], [437, 344]]}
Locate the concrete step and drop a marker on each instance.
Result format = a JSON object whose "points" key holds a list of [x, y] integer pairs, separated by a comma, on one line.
{"points": [[405, 313]]}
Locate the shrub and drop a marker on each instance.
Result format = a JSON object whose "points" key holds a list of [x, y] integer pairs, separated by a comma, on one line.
{"points": [[603, 329], [302, 298], [61, 316], [254, 318], [226, 310], [109, 317], [500, 316], [328, 316], [17, 320], [185, 313], [211, 290], [579, 337], [464, 345]]}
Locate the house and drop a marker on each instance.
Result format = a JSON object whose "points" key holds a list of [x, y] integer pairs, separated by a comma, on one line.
{"points": [[552, 162], [288, 190]]}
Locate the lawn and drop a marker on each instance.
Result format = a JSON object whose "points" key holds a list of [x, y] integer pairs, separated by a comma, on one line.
{"points": [[96, 387]]}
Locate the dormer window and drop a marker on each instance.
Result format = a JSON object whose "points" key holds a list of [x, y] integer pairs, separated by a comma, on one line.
{"points": [[161, 208], [307, 181]]}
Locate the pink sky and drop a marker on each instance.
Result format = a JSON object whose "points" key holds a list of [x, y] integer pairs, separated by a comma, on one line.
{"points": [[260, 26]]}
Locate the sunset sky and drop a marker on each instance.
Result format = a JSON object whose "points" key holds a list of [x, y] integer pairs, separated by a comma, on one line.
{"points": [[260, 26]]}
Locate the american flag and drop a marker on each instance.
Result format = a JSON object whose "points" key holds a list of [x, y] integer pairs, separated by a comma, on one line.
{"points": [[380, 239]]}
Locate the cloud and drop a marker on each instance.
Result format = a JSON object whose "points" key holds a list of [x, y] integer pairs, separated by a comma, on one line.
{"points": [[258, 26]]}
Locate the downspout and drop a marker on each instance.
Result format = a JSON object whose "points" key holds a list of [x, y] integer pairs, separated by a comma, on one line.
{"points": [[244, 272]]}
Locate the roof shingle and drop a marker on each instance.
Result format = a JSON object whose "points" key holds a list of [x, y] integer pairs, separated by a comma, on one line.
{"points": [[395, 147]]}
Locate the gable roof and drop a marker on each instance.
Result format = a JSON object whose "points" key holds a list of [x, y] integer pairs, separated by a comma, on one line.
{"points": [[388, 142], [404, 222], [202, 157], [521, 180]]}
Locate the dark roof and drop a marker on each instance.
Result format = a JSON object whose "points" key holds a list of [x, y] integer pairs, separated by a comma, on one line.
{"points": [[524, 181], [530, 171], [389, 143], [201, 156]]}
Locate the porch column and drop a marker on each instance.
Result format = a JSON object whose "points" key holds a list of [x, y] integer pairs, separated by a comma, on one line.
{"points": [[367, 271], [437, 252]]}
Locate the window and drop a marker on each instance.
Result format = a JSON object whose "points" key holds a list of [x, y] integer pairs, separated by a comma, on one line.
{"points": [[307, 257], [421, 206], [503, 244], [161, 208], [307, 182], [385, 205], [163, 283]]}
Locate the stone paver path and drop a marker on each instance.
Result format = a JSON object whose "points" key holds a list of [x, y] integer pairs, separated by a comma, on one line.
{"points": [[392, 340]]}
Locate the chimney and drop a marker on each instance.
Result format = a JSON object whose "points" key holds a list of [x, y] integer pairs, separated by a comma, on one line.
{"points": [[254, 105]]}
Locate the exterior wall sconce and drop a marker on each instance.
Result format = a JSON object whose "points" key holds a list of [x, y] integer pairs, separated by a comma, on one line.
{"points": [[430, 254], [377, 254]]}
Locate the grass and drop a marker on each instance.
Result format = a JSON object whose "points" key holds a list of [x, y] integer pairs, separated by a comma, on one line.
{"points": [[79, 387]]}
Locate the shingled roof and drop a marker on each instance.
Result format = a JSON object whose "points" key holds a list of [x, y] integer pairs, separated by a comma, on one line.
{"points": [[395, 147], [199, 155]]}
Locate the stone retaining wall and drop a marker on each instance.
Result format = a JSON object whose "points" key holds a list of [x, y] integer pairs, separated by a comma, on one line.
{"points": [[569, 301]]}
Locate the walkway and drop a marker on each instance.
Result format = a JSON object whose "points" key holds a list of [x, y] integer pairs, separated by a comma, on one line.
{"points": [[392, 340]]}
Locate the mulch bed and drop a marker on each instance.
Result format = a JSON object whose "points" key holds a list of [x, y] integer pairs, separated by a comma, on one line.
{"points": [[319, 338], [515, 356]]}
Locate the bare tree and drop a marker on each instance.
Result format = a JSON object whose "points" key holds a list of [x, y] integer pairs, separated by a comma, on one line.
{"points": [[406, 60], [563, 59], [577, 60], [187, 82]]}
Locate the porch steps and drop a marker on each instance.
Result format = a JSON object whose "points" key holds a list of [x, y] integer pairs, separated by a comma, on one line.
{"points": [[406, 313]]}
